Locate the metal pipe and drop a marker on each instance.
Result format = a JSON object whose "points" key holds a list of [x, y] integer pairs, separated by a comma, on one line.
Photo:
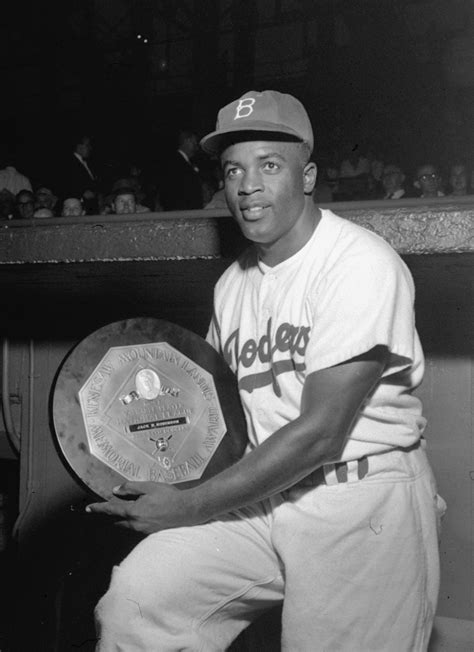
{"points": [[13, 436]]}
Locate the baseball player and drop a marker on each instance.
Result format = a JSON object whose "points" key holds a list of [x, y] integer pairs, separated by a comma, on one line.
{"points": [[333, 511]]}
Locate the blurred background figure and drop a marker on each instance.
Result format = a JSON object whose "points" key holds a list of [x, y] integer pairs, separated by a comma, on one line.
{"points": [[458, 180], [354, 175], [72, 207], [180, 186], [78, 179], [124, 202], [124, 199], [217, 200], [7, 204], [10, 178], [324, 189], [428, 181], [354, 164], [392, 181], [25, 205], [44, 198]]}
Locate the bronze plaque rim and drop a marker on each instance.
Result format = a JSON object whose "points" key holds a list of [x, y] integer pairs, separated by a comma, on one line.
{"points": [[77, 367]]}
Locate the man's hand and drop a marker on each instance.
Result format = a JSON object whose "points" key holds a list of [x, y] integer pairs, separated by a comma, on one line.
{"points": [[149, 507]]}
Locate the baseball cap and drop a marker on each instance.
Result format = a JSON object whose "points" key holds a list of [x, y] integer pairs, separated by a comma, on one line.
{"points": [[266, 111]]}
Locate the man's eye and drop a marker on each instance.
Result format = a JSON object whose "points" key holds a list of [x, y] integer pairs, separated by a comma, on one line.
{"points": [[231, 172], [270, 165]]}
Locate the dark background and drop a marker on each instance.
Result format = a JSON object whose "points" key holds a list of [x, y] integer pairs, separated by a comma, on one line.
{"points": [[394, 74]]}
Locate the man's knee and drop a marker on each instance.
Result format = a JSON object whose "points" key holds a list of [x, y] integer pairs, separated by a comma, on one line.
{"points": [[137, 591]]}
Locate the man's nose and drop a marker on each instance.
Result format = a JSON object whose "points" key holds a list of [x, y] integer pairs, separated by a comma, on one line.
{"points": [[251, 182]]}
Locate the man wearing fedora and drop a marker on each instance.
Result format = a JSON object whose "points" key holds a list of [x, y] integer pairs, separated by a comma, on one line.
{"points": [[333, 511]]}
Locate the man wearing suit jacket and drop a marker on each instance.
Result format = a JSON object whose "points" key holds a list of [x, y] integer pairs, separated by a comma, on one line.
{"points": [[78, 179], [181, 184]]}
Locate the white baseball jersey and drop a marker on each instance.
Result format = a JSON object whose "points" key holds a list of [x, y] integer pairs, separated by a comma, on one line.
{"points": [[342, 294]]}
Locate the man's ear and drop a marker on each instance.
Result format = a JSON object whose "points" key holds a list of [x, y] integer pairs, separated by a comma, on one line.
{"points": [[309, 177]]}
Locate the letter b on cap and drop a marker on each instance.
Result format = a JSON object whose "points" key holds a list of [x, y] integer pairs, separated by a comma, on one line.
{"points": [[244, 108]]}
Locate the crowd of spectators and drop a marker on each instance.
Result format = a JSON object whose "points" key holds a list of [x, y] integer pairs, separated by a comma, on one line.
{"points": [[363, 176], [190, 180]]}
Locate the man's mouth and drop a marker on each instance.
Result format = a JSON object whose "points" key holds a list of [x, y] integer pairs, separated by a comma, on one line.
{"points": [[253, 211]]}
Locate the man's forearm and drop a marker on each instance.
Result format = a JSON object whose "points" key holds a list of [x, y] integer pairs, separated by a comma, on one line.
{"points": [[278, 463], [316, 437]]}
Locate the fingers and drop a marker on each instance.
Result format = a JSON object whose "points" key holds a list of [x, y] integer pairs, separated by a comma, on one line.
{"points": [[110, 508], [133, 489]]}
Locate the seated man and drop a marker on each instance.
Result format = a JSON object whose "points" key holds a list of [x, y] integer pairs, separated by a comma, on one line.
{"points": [[72, 207], [123, 199], [44, 198], [428, 181], [392, 181], [458, 180], [333, 511], [7, 204], [25, 204]]}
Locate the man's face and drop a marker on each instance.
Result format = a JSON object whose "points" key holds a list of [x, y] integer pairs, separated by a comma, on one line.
{"points": [[265, 183], [25, 205], [124, 204], [458, 178], [72, 208], [429, 180], [44, 199], [392, 179]]}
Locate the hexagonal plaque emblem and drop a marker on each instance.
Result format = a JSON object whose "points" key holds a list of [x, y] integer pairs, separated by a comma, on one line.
{"points": [[151, 413], [143, 399]]}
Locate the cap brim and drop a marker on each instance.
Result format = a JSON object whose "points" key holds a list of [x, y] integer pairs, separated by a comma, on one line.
{"points": [[217, 141]]}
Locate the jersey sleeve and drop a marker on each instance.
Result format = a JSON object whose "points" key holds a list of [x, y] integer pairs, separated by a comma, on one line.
{"points": [[365, 301], [213, 333]]}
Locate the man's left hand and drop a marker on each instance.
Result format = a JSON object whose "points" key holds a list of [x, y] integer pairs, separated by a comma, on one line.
{"points": [[148, 507]]}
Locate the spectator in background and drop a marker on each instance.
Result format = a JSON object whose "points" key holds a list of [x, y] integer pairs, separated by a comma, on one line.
{"points": [[212, 181], [125, 197], [138, 181], [354, 164], [25, 205], [10, 178], [7, 204], [44, 198], [376, 164], [72, 207], [124, 200], [78, 179], [428, 181], [217, 200], [458, 180], [324, 188], [354, 176], [392, 181], [180, 187]]}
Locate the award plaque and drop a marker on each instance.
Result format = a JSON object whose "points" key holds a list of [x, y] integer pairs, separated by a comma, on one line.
{"points": [[146, 400]]}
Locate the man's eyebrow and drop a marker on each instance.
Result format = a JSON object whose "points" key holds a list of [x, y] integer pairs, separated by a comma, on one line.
{"points": [[277, 155], [263, 157], [229, 162]]}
